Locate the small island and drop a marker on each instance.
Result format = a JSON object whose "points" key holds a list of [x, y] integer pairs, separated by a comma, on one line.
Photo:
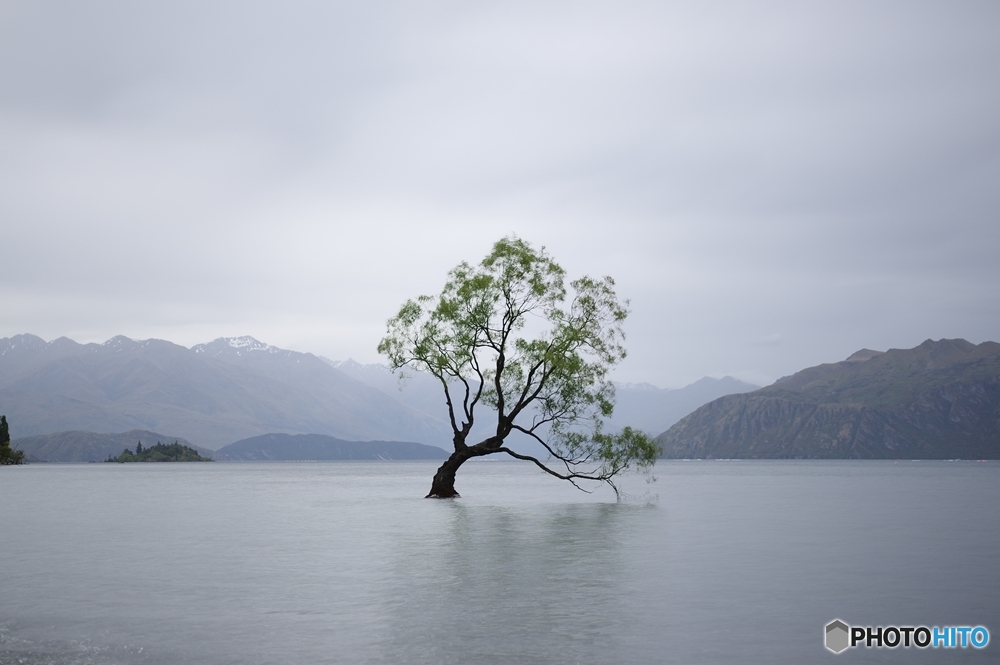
{"points": [[173, 452]]}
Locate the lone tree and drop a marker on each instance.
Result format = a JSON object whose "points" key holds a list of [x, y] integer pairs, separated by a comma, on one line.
{"points": [[509, 336]]}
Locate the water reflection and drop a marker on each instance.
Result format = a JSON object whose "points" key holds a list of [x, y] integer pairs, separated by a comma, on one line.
{"points": [[500, 585]]}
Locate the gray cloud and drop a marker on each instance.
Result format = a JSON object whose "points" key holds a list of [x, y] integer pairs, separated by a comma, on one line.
{"points": [[190, 170]]}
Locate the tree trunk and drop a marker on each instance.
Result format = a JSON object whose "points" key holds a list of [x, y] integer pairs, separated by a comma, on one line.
{"points": [[443, 485]]}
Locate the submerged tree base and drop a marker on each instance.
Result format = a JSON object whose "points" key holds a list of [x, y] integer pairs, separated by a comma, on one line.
{"points": [[452, 495], [443, 485]]}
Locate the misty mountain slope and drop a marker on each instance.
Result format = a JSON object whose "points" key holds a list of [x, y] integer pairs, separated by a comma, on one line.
{"points": [[418, 390], [423, 392], [653, 410], [123, 370], [289, 447], [642, 406], [155, 384], [308, 372], [940, 400], [82, 446], [34, 413], [21, 355], [205, 395]]}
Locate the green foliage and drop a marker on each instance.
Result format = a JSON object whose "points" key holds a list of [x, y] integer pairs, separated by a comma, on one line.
{"points": [[173, 452], [7, 455], [510, 335]]}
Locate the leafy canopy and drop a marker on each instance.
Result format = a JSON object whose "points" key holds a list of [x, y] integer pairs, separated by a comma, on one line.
{"points": [[509, 335]]}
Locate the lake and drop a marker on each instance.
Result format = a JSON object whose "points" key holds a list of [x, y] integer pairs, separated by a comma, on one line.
{"points": [[344, 562]]}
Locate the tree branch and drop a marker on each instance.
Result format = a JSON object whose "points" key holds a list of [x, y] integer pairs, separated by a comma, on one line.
{"points": [[572, 477]]}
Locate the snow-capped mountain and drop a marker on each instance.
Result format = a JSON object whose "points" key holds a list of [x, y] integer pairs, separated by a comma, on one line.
{"points": [[212, 394]]}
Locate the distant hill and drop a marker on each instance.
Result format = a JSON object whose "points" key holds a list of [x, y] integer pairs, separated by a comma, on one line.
{"points": [[76, 446], [940, 400], [288, 447], [213, 393]]}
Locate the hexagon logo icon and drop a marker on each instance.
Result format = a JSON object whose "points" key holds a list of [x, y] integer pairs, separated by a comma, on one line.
{"points": [[837, 636]]}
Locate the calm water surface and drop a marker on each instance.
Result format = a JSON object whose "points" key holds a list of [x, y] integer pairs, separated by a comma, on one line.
{"points": [[716, 562]]}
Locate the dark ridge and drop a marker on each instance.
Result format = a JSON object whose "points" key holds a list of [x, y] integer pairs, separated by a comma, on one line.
{"points": [[939, 400]]}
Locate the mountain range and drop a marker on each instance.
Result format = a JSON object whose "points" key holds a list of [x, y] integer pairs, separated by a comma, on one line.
{"points": [[212, 394], [939, 400], [236, 388]]}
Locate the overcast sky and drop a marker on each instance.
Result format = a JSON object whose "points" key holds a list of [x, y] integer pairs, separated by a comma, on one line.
{"points": [[772, 185]]}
